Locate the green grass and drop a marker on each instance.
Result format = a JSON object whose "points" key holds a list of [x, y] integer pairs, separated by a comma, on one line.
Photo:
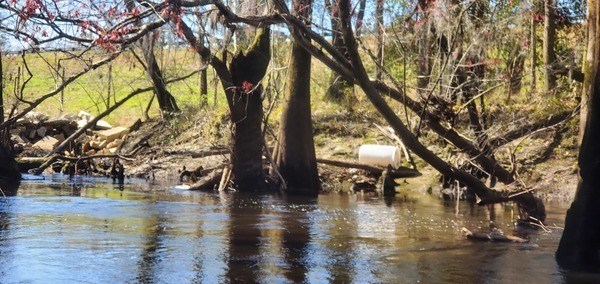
{"points": [[91, 91]]}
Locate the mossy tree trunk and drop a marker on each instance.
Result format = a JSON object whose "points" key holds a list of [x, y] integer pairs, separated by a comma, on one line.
{"points": [[579, 247], [241, 81], [295, 152], [245, 103]]}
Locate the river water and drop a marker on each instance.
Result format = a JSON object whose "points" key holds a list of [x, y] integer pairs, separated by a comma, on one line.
{"points": [[94, 232]]}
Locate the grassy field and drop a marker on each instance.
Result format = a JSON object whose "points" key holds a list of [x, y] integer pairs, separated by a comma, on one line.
{"points": [[100, 88]]}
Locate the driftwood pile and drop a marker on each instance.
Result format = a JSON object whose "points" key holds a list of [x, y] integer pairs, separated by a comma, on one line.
{"points": [[42, 133]]}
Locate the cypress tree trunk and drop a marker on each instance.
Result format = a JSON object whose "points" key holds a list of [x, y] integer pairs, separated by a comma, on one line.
{"points": [[241, 82], [295, 153], [245, 103], [579, 247]]}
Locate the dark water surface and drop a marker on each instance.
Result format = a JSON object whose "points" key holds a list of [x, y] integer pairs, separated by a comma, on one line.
{"points": [[51, 233]]}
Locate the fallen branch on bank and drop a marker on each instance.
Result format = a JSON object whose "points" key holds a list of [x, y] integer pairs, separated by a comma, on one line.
{"points": [[534, 127], [401, 172]]}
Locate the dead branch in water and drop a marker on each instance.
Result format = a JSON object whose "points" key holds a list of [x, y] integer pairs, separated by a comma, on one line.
{"points": [[209, 181], [491, 237]]}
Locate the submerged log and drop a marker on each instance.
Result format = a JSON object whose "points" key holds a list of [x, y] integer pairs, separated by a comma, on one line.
{"points": [[491, 237]]}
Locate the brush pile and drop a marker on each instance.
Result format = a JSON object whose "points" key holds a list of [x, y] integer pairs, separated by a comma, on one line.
{"points": [[40, 134]]}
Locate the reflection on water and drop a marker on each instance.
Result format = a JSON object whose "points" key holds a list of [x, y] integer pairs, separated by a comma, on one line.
{"points": [[95, 233]]}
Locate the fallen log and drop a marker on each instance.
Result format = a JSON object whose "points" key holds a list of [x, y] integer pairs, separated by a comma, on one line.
{"points": [[491, 237], [209, 153], [29, 163], [401, 172], [209, 181]]}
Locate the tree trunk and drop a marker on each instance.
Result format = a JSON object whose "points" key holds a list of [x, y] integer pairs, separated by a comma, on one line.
{"points": [[549, 39], [241, 82], [166, 101], [579, 247], [10, 177], [246, 156], [515, 64], [360, 17], [589, 69], [203, 87], [424, 48], [379, 37], [203, 78], [339, 88], [245, 103], [295, 152], [533, 47], [1, 91]]}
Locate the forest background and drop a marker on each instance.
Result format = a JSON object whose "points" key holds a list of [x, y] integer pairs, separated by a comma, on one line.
{"points": [[505, 75]]}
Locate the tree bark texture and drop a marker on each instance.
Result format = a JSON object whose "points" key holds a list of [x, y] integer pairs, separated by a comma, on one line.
{"points": [[579, 247], [589, 67], [245, 103], [241, 82], [295, 152]]}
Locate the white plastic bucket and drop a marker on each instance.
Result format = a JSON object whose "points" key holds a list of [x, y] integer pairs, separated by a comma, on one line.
{"points": [[379, 155]]}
